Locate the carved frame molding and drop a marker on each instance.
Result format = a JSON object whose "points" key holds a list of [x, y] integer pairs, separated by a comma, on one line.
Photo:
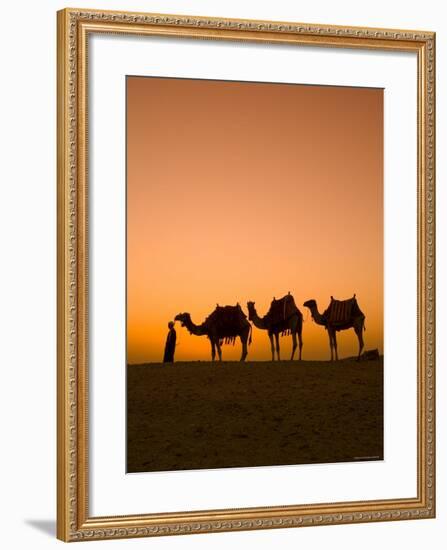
{"points": [[74, 522]]}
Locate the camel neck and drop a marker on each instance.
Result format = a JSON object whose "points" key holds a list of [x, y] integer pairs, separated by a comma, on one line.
{"points": [[197, 330], [316, 315], [257, 321]]}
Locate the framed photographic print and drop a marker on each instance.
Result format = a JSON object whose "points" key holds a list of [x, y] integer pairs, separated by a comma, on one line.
{"points": [[245, 274]]}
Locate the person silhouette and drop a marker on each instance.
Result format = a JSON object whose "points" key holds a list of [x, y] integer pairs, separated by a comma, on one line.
{"points": [[170, 344]]}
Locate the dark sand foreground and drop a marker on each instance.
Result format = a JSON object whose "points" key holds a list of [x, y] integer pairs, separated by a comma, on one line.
{"points": [[203, 415]]}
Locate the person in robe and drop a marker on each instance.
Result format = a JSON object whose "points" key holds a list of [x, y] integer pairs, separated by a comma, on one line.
{"points": [[170, 344]]}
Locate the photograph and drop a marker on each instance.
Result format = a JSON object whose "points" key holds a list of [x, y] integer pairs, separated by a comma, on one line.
{"points": [[254, 274]]}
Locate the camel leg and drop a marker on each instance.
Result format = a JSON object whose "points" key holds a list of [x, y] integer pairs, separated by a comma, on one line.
{"points": [[272, 346], [330, 344], [300, 340], [294, 344], [359, 332], [244, 338], [213, 351], [334, 338], [277, 346], [219, 350]]}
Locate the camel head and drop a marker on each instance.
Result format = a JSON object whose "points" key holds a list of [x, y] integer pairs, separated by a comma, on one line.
{"points": [[251, 310], [310, 303], [183, 318]]}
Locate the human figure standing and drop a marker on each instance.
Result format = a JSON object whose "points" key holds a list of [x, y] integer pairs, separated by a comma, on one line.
{"points": [[170, 344]]}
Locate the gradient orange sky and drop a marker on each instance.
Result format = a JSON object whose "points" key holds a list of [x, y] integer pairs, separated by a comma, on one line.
{"points": [[242, 191]]}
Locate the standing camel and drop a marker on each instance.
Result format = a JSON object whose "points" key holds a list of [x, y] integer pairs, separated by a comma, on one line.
{"points": [[340, 315], [282, 318], [223, 325]]}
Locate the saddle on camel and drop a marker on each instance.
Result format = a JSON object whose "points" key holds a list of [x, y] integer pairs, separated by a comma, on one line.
{"points": [[227, 319], [340, 312], [280, 311]]}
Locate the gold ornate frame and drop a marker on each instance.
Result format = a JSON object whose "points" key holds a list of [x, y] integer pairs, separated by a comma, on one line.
{"points": [[74, 521]]}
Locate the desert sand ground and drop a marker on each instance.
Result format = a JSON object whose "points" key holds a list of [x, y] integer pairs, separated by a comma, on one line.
{"points": [[203, 415]]}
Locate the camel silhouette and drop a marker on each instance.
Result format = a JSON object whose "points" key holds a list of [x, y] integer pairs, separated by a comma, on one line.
{"points": [[339, 315], [223, 325], [282, 318]]}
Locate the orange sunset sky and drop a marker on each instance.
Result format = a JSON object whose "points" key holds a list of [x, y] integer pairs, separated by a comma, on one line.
{"points": [[242, 191]]}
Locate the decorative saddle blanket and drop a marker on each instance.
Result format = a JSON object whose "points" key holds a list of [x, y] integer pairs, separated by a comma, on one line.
{"points": [[341, 311], [227, 318], [281, 310]]}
